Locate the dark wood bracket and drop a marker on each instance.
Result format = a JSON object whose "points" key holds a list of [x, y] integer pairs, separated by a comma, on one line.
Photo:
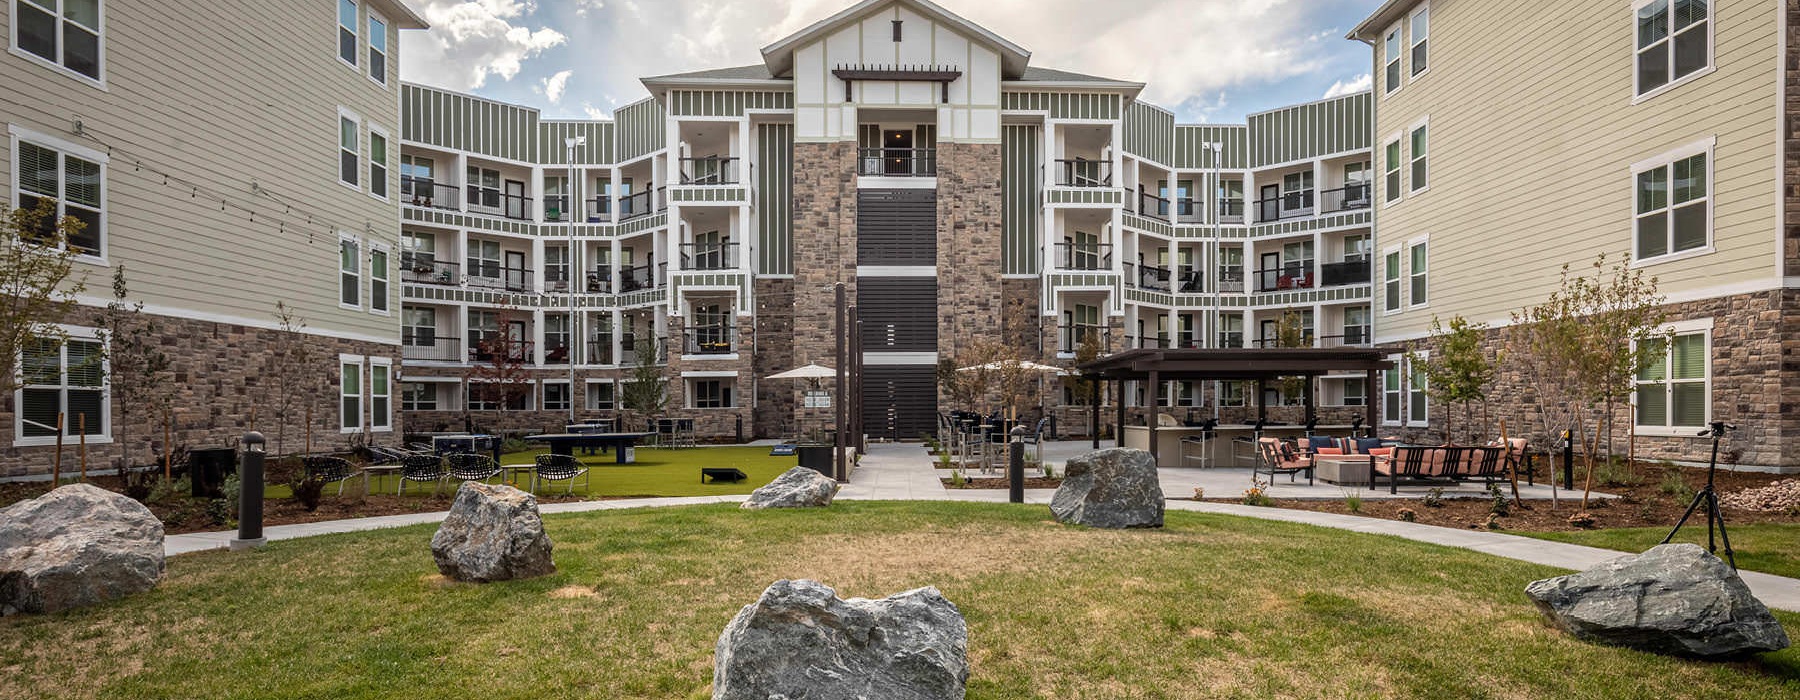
{"points": [[942, 75]]}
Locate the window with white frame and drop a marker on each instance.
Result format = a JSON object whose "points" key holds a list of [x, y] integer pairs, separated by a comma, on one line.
{"points": [[378, 52], [418, 180], [381, 397], [556, 198], [65, 33], [1674, 210], [710, 393], [1391, 57], [349, 273], [1421, 176], [1356, 392], [1674, 41], [1391, 399], [600, 396], [556, 396], [1392, 174], [1674, 385], [1419, 273], [1390, 281], [378, 279], [66, 378], [1421, 31], [1418, 400], [378, 163], [350, 394], [349, 165], [347, 31], [67, 183], [418, 326], [418, 396], [1231, 394]]}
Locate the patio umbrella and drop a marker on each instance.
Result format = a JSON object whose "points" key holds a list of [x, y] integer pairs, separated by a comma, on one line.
{"points": [[812, 371]]}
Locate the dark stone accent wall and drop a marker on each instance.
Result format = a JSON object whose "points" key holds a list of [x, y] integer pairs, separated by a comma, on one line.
{"points": [[969, 241], [776, 399], [824, 250]]}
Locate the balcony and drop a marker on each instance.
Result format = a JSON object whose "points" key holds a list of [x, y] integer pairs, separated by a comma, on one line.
{"points": [[1348, 198], [422, 269], [1190, 282], [556, 278], [1152, 206], [1291, 205], [711, 170], [422, 192], [598, 209], [490, 275], [1231, 279], [556, 349], [632, 279], [600, 349], [486, 346], [1081, 172], [1072, 335], [1285, 278], [556, 208], [1343, 273], [1353, 336], [710, 340], [1084, 256], [1231, 339], [599, 280], [1146, 342], [1148, 277], [632, 348], [1189, 210], [642, 204], [487, 200], [423, 344], [897, 162], [1231, 210], [709, 256]]}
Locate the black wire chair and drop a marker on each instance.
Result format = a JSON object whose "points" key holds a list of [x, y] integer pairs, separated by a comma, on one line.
{"points": [[559, 468], [421, 468], [472, 467], [330, 469]]}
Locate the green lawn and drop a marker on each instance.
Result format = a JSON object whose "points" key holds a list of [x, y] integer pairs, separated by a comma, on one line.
{"points": [[658, 472], [1772, 548], [1211, 606]]}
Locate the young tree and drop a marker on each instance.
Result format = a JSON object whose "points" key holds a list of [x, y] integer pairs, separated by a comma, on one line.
{"points": [[1290, 332], [140, 369], [500, 373], [1457, 371], [36, 290], [289, 366], [646, 393], [1085, 390]]}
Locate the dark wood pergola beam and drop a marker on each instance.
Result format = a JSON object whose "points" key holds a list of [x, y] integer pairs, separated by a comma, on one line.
{"points": [[943, 75]]}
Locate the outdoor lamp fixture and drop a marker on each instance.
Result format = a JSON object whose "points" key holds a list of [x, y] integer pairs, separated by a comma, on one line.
{"points": [[250, 494], [572, 143]]}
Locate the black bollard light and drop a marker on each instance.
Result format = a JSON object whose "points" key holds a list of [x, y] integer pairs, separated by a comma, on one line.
{"points": [[1015, 468], [1568, 459], [250, 495]]}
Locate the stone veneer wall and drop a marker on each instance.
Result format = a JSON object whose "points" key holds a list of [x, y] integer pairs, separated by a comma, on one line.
{"points": [[824, 249], [219, 383], [969, 239], [1755, 377], [776, 400]]}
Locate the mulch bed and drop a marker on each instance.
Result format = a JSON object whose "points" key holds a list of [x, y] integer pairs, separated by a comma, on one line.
{"points": [[1031, 482], [1644, 504]]}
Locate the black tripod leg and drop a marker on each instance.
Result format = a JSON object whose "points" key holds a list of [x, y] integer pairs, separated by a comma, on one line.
{"points": [[1730, 557], [1685, 516]]}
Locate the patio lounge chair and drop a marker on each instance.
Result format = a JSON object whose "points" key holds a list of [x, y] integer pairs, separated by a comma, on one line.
{"points": [[330, 469], [558, 468], [421, 468], [1277, 457], [472, 467], [1487, 463], [1416, 463]]}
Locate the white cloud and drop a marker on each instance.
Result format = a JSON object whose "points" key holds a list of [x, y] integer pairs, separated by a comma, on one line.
{"points": [[554, 86], [582, 7], [1355, 85], [595, 113], [469, 41]]}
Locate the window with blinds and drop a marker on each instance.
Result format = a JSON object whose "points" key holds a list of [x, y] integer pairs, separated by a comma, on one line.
{"points": [[66, 380], [61, 186], [1673, 386]]}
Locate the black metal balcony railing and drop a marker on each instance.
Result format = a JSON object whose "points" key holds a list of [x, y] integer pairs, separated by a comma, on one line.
{"points": [[1152, 206], [1081, 172], [1307, 340], [600, 350], [1231, 339], [1074, 334], [1342, 273], [709, 256], [1231, 210], [633, 279], [1148, 277], [556, 208], [1290, 205], [487, 200], [423, 269], [897, 162], [710, 170], [1143, 342], [1084, 256], [631, 347], [599, 280], [1191, 282], [1231, 279], [424, 192], [485, 347], [1189, 210], [1352, 336], [711, 340], [1347, 198], [556, 349], [490, 275], [598, 209], [643, 203], [425, 344], [556, 278], [1285, 278]]}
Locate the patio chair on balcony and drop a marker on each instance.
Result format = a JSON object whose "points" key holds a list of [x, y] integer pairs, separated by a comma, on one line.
{"points": [[472, 467], [559, 468], [421, 468], [330, 469]]}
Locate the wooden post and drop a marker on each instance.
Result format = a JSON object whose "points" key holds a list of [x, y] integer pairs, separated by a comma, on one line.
{"points": [[56, 465], [308, 431], [1588, 483], [1512, 466], [168, 448], [81, 421]]}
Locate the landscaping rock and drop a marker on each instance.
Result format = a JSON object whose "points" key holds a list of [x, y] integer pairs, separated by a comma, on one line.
{"points": [[1114, 488], [799, 487], [493, 533], [1674, 599], [75, 546], [799, 640]]}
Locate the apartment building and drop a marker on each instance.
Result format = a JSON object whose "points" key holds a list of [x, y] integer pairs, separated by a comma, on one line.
{"points": [[957, 192], [1650, 130], [229, 156]]}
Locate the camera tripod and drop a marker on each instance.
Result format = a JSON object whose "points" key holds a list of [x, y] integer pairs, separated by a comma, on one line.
{"points": [[1710, 498]]}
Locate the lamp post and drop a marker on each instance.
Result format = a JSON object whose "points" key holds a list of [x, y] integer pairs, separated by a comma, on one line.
{"points": [[572, 143], [250, 495], [1218, 209]]}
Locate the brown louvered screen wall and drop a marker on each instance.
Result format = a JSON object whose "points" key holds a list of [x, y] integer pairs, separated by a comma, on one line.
{"points": [[899, 314], [896, 227], [899, 401]]}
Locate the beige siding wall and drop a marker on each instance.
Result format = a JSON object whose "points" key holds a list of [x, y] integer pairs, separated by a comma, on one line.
{"points": [[1533, 135], [239, 100]]}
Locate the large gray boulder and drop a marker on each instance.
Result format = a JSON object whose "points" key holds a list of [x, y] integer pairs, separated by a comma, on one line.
{"points": [[75, 546], [1674, 599], [799, 640], [1114, 488], [799, 487], [493, 533]]}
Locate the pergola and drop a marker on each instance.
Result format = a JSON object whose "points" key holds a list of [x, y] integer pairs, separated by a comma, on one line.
{"points": [[1260, 365]]}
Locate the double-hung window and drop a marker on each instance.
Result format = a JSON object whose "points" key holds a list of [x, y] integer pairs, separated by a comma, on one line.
{"points": [[349, 273], [350, 394], [1421, 32], [556, 396], [600, 396], [418, 396], [378, 52], [66, 33], [1421, 138], [712, 393], [66, 378], [1390, 394], [64, 185], [1420, 273], [1391, 57], [349, 165], [1390, 281], [1391, 161], [1674, 211], [418, 327], [1674, 41], [378, 163], [381, 397], [347, 31], [378, 279], [1674, 383], [417, 180], [1418, 401]]}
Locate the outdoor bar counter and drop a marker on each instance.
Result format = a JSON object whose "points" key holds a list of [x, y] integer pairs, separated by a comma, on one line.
{"points": [[1170, 451]]}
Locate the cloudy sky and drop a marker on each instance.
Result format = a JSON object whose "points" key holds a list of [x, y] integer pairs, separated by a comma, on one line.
{"points": [[1209, 60]]}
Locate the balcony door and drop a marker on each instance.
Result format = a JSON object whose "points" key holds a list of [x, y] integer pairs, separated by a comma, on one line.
{"points": [[1268, 273], [515, 199], [1269, 204], [897, 147], [515, 271], [515, 342]]}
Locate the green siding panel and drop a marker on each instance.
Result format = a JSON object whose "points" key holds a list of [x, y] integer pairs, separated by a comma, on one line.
{"points": [[1311, 130], [726, 103], [597, 151], [1190, 139], [1064, 105], [641, 129], [774, 199], [466, 123], [1150, 132], [1020, 247]]}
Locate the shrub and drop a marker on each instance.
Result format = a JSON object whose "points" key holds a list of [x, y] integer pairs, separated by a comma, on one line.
{"points": [[219, 511], [1433, 498], [956, 479], [515, 445], [234, 493], [1353, 501], [1256, 496], [165, 490], [1408, 515], [308, 490], [1493, 522], [1583, 520], [1674, 484], [1501, 507], [1617, 472], [1199, 493], [1049, 471]]}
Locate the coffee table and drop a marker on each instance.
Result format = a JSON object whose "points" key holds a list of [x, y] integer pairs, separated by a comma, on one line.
{"points": [[1345, 469]]}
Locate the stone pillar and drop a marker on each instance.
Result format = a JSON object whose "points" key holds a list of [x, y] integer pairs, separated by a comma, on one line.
{"points": [[824, 246], [969, 238]]}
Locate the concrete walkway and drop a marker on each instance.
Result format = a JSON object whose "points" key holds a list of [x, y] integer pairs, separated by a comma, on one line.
{"points": [[902, 473]]}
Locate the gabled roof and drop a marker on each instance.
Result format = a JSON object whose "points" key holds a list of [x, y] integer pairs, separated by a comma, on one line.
{"points": [[402, 15], [779, 56], [1371, 28], [755, 72]]}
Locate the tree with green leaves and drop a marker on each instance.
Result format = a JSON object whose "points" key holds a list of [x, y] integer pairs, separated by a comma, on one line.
{"points": [[141, 371], [1290, 332], [37, 291], [1084, 390], [646, 393], [1458, 370]]}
